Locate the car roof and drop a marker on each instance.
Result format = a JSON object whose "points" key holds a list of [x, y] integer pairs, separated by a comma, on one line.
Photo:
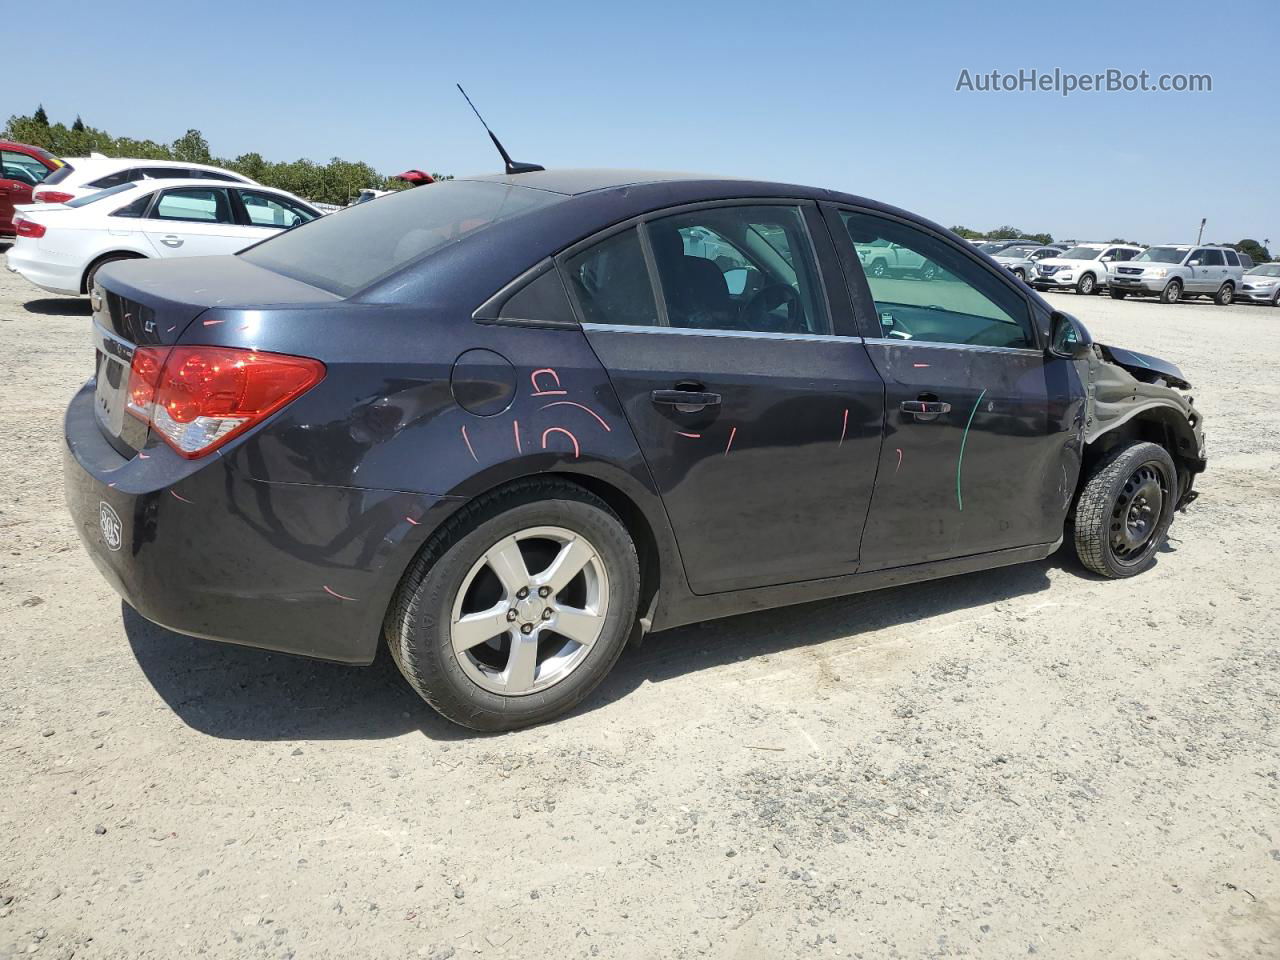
{"points": [[98, 164], [573, 182]]}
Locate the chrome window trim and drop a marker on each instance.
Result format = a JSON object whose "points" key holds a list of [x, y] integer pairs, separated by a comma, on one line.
{"points": [[941, 345], [704, 332]]}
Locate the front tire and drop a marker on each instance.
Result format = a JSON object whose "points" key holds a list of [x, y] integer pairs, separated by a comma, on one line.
{"points": [[1225, 295], [518, 607], [1087, 285], [879, 269], [1172, 292], [1125, 509]]}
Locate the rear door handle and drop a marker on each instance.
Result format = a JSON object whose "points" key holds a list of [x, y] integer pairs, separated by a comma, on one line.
{"points": [[925, 409], [686, 401], [169, 240]]}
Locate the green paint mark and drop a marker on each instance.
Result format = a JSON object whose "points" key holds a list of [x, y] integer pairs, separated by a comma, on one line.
{"points": [[963, 440]]}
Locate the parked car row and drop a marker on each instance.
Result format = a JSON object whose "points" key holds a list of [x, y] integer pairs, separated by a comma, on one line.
{"points": [[73, 217], [1170, 272]]}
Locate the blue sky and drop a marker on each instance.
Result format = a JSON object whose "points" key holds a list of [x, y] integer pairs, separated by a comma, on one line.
{"points": [[856, 96]]}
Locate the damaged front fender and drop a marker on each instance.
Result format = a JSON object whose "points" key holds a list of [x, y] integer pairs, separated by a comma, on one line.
{"points": [[1133, 396]]}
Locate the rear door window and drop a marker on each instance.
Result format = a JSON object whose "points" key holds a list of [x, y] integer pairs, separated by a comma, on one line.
{"points": [[21, 167], [194, 205], [1232, 259], [612, 284]]}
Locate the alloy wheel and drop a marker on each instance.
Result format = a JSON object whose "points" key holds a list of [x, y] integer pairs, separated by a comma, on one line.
{"points": [[529, 610]]}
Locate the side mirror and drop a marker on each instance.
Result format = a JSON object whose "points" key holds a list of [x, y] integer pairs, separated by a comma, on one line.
{"points": [[1105, 260], [1067, 336], [1193, 263]]}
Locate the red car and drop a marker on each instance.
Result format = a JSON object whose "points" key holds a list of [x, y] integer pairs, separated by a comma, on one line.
{"points": [[22, 166]]}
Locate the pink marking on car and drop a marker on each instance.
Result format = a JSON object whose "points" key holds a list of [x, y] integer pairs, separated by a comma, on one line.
{"points": [[538, 391], [467, 441], [693, 436], [844, 429], [515, 428], [178, 496], [210, 323], [335, 593], [899, 466], [921, 366], [732, 433], [550, 430], [143, 456], [412, 521], [571, 403]]}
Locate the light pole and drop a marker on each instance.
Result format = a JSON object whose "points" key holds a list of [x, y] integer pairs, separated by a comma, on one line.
{"points": [[1203, 221]]}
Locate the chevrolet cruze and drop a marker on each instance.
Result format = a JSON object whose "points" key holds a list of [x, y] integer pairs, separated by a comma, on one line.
{"points": [[507, 424]]}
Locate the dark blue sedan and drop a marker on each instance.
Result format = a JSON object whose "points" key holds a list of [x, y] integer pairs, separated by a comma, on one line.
{"points": [[507, 424]]}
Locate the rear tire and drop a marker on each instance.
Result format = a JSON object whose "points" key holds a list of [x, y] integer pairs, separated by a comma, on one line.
{"points": [[1225, 295], [1087, 285], [1172, 292], [1125, 509], [483, 685]]}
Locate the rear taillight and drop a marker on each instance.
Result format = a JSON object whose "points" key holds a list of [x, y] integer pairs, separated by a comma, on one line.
{"points": [[29, 228], [198, 398], [53, 196]]}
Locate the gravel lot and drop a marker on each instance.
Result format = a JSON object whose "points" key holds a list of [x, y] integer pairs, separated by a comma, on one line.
{"points": [[1030, 760]]}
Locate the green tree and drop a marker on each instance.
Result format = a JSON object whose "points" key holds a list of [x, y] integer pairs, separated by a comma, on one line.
{"points": [[966, 233], [192, 147], [1254, 249], [78, 126], [40, 116]]}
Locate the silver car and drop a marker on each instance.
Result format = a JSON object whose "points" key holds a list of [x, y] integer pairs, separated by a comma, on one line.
{"points": [[1262, 284], [1021, 258], [1174, 271]]}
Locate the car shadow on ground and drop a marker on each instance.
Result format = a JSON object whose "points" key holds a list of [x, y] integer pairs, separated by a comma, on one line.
{"points": [[60, 307], [242, 693]]}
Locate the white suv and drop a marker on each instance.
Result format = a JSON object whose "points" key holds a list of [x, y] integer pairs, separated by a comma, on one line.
{"points": [[1177, 270], [1086, 267], [81, 176]]}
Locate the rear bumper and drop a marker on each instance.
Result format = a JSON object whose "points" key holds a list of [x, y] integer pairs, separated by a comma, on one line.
{"points": [[202, 549], [46, 274]]}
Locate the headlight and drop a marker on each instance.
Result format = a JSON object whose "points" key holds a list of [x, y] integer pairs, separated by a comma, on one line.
{"points": [[1157, 272]]}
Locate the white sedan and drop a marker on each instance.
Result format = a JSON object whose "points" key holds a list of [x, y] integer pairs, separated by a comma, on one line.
{"points": [[82, 176], [59, 247]]}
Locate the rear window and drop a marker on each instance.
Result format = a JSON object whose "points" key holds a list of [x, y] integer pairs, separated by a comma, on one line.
{"points": [[101, 195], [60, 174], [360, 245]]}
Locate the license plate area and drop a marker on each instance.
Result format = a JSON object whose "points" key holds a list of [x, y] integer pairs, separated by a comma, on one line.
{"points": [[112, 359]]}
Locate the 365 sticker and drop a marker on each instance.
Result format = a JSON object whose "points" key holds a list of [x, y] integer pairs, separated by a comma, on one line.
{"points": [[109, 520]]}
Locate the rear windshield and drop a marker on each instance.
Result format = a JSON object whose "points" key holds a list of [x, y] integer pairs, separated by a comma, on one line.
{"points": [[101, 195], [60, 174], [360, 245]]}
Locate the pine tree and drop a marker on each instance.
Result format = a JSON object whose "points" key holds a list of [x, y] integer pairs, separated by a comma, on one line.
{"points": [[40, 116], [78, 126]]}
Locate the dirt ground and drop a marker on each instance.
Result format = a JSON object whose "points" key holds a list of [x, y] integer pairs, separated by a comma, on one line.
{"points": [[1024, 761]]}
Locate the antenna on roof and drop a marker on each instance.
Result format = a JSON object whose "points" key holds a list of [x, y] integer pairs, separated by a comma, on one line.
{"points": [[513, 166]]}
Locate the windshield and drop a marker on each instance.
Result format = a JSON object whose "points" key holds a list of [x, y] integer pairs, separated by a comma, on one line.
{"points": [[1017, 251], [370, 241], [100, 195], [1266, 270], [1162, 255], [991, 246], [1081, 253]]}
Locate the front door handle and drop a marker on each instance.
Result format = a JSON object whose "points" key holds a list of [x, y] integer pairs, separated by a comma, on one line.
{"points": [[169, 240], [686, 401], [926, 410]]}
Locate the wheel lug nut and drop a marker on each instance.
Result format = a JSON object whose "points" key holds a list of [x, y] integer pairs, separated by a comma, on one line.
{"points": [[522, 592], [527, 628], [544, 591], [546, 613], [511, 615]]}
